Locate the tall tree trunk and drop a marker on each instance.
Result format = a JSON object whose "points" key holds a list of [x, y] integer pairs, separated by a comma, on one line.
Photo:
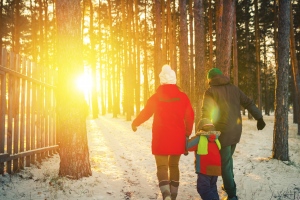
{"points": [[93, 62], [164, 34], [276, 32], [295, 70], [1, 22], [210, 35], [113, 63], [219, 19], [41, 39], [103, 84], [157, 42], [174, 37], [183, 46], [257, 53], [46, 29], [225, 44], [247, 65], [234, 52], [131, 58], [281, 128], [200, 44], [137, 57], [169, 28], [145, 72], [192, 55], [71, 105], [33, 32], [266, 96], [16, 31]]}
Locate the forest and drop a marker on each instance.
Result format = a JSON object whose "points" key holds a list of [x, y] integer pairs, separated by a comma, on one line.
{"points": [[121, 45]]}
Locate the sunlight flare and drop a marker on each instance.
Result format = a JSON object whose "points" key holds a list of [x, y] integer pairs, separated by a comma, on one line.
{"points": [[84, 83]]}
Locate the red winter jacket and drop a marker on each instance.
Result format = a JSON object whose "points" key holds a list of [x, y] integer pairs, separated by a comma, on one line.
{"points": [[172, 121]]}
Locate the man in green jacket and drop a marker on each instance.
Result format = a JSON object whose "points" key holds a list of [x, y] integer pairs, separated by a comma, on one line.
{"points": [[221, 103]]}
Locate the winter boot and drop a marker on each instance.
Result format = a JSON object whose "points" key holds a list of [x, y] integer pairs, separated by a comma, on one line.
{"points": [[165, 191], [231, 198], [174, 191]]}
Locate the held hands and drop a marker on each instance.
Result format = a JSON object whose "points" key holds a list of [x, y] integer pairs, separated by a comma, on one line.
{"points": [[134, 128], [186, 152], [260, 124]]}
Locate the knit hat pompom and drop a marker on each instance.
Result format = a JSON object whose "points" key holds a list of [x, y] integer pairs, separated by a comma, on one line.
{"points": [[213, 72], [167, 75]]}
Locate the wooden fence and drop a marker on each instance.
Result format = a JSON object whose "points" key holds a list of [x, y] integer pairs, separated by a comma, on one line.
{"points": [[27, 113]]}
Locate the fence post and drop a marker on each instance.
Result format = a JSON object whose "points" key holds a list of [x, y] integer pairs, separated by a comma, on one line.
{"points": [[22, 120], [3, 108], [16, 113], [10, 112], [33, 113], [28, 112]]}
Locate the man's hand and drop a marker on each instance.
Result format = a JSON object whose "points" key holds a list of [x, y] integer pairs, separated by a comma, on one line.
{"points": [[133, 128], [260, 124]]}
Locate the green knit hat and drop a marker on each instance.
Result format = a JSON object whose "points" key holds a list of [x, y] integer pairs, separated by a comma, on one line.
{"points": [[213, 72]]}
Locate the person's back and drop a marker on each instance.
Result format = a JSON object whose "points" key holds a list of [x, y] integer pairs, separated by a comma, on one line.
{"points": [[221, 103], [173, 119]]}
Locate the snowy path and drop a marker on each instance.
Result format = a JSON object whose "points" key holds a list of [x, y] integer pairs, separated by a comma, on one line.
{"points": [[124, 168], [127, 159]]}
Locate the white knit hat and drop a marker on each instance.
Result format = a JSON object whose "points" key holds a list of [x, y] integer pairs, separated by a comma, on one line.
{"points": [[167, 75]]}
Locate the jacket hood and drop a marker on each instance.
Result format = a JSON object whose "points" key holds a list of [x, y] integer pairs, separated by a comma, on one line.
{"points": [[219, 80]]}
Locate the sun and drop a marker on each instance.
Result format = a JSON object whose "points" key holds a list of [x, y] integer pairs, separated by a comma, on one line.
{"points": [[84, 83]]}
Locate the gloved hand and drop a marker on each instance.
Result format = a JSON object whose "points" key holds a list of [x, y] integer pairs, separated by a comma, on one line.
{"points": [[260, 124], [134, 128]]}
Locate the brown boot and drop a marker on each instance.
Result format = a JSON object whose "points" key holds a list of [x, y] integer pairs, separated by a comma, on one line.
{"points": [[174, 192]]}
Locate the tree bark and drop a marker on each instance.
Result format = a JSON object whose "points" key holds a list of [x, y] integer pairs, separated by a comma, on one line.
{"points": [[71, 105], [93, 62], [281, 128], [235, 54], [183, 46], [210, 33], [295, 70], [257, 54], [157, 42], [225, 44], [191, 55], [200, 74]]}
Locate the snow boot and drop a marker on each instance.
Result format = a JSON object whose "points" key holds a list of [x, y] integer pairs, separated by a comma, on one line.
{"points": [[165, 191], [174, 191], [231, 198]]}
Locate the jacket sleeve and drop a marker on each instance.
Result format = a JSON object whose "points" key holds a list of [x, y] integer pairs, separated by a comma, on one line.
{"points": [[192, 144], [146, 113], [248, 104], [189, 118]]}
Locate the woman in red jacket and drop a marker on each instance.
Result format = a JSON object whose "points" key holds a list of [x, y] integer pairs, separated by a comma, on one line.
{"points": [[173, 119]]}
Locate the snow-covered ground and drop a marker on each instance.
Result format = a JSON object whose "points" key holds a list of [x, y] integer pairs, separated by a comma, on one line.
{"points": [[124, 168]]}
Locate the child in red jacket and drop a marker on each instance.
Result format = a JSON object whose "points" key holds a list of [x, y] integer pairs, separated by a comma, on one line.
{"points": [[207, 159]]}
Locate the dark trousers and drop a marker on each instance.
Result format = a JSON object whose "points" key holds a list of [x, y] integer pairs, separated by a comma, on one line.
{"points": [[207, 187], [227, 170]]}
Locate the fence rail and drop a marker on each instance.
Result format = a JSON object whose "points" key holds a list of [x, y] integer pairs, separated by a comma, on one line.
{"points": [[27, 112]]}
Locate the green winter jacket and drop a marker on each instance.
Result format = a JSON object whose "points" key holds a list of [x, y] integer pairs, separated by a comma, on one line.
{"points": [[222, 105]]}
